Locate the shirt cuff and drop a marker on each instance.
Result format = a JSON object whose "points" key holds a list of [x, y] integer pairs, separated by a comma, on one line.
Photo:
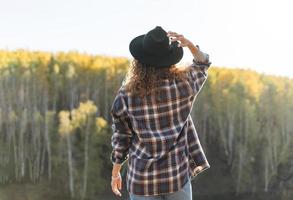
{"points": [[200, 57], [116, 158]]}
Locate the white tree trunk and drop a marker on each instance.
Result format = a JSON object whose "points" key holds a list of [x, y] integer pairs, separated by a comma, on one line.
{"points": [[70, 166], [86, 149]]}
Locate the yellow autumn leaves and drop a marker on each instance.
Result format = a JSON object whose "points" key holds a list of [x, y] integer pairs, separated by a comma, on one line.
{"points": [[26, 59], [71, 120]]}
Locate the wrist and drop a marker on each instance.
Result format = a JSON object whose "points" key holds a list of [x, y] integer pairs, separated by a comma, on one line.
{"points": [[116, 177], [193, 49], [115, 173], [190, 44]]}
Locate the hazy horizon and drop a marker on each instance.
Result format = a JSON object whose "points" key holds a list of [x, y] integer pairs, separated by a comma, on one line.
{"points": [[250, 34]]}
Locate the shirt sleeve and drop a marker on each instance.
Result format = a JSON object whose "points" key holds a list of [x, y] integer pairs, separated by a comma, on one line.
{"points": [[197, 156], [199, 69], [122, 132]]}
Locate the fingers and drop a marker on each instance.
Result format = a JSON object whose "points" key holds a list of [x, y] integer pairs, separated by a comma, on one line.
{"points": [[173, 34], [179, 39], [116, 191], [115, 186], [174, 39], [182, 41], [120, 184], [198, 169]]}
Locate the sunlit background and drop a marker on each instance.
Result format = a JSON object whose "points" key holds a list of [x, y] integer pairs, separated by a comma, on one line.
{"points": [[254, 34], [62, 62]]}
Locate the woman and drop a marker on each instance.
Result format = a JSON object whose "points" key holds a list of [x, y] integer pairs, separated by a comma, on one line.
{"points": [[152, 126]]}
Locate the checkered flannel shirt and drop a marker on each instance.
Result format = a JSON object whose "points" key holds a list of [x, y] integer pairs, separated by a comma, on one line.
{"points": [[146, 132]]}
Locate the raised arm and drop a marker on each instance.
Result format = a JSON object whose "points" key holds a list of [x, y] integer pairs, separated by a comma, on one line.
{"points": [[200, 65], [200, 62]]}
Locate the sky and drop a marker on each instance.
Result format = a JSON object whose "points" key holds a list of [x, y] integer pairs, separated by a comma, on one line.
{"points": [[254, 34]]}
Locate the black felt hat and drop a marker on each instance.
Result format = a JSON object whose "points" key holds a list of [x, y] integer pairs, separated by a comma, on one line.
{"points": [[154, 49]]}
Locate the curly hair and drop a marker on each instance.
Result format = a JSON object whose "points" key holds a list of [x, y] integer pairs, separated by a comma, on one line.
{"points": [[142, 80]]}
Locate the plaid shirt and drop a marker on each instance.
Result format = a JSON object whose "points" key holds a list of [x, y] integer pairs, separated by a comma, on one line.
{"points": [[146, 132]]}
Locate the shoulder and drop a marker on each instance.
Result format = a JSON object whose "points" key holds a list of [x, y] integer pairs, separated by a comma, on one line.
{"points": [[119, 104]]}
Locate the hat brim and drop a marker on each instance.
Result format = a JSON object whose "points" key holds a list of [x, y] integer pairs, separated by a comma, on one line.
{"points": [[174, 56]]}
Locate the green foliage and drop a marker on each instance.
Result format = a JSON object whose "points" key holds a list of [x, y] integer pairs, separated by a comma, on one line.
{"points": [[244, 121]]}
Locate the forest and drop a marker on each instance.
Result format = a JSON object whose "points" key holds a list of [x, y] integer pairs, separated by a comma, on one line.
{"points": [[55, 129]]}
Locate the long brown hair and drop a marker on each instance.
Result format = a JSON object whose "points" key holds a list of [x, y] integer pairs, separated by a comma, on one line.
{"points": [[142, 80]]}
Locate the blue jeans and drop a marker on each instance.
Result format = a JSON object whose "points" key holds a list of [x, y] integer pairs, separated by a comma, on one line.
{"points": [[184, 194]]}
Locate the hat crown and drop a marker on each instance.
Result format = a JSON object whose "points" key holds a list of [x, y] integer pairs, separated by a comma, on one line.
{"points": [[156, 42], [155, 49]]}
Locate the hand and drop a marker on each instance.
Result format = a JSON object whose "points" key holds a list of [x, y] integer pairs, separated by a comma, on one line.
{"points": [[183, 42], [199, 168], [116, 183]]}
